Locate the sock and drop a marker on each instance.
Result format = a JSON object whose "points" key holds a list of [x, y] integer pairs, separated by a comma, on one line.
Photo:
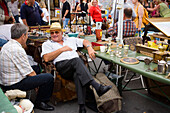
{"points": [[82, 106], [95, 85]]}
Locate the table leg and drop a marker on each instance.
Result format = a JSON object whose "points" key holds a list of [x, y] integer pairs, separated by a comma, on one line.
{"points": [[161, 90]]}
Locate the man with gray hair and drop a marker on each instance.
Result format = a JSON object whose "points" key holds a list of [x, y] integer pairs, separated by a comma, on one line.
{"points": [[16, 72]]}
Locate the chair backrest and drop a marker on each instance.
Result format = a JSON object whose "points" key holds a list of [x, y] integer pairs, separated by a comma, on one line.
{"points": [[132, 41]]}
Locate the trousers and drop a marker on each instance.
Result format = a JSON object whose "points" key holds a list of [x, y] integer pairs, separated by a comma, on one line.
{"points": [[75, 70], [65, 22], [2, 42], [44, 81]]}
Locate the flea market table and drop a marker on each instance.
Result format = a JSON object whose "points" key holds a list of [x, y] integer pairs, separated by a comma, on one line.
{"points": [[137, 68]]}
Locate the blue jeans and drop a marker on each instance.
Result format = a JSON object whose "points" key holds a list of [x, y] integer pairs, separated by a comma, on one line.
{"points": [[65, 22], [16, 18], [140, 33], [2, 42]]}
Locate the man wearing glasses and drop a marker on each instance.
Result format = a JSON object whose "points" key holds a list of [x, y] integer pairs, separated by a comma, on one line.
{"points": [[31, 13], [62, 51]]}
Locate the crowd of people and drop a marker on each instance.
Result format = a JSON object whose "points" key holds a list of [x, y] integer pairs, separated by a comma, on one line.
{"points": [[33, 13], [17, 73], [30, 13]]}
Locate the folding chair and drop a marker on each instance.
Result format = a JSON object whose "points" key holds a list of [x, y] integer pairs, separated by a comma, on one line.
{"points": [[132, 41]]}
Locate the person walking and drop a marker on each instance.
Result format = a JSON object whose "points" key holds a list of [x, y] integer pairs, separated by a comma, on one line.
{"points": [[13, 5], [65, 13]]}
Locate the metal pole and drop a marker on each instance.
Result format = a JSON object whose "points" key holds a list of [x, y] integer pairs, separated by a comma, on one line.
{"points": [[49, 12], [120, 7], [113, 11]]}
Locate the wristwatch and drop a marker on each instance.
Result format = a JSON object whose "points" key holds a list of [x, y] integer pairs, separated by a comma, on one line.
{"points": [[88, 46]]}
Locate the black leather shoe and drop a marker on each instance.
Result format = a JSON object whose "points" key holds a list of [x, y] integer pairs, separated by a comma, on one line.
{"points": [[44, 106], [103, 89], [82, 110]]}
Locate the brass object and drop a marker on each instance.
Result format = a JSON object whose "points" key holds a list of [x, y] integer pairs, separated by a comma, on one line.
{"points": [[159, 56], [145, 50], [168, 76], [129, 60], [147, 62], [167, 59], [161, 48]]}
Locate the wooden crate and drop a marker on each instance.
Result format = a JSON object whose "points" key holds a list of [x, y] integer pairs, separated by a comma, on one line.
{"points": [[159, 56], [148, 51]]}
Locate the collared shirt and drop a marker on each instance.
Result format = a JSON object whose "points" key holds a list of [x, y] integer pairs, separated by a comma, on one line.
{"points": [[50, 46], [14, 65], [14, 7], [129, 28], [32, 14]]}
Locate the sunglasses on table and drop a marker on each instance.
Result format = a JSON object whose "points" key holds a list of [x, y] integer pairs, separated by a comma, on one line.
{"points": [[54, 32]]}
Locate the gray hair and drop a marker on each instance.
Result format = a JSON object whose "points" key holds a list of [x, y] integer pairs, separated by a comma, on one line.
{"points": [[17, 30]]}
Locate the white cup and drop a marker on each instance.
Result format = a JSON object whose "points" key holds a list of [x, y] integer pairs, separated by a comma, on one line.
{"points": [[102, 48]]}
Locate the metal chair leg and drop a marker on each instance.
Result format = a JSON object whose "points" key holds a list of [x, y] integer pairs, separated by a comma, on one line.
{"points": [[125, 78], [140, 77], [143, 85]]}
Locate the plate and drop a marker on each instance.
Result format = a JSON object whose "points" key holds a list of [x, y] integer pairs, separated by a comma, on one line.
{"points": [[129, 60], [142, 58]]}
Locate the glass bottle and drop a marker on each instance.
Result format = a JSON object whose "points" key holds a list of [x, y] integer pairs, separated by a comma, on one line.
{"points": [[125, 51]]}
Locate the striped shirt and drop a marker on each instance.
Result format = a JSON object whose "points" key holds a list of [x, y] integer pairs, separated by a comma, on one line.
{"points": [[129, 29], [14, 65]]}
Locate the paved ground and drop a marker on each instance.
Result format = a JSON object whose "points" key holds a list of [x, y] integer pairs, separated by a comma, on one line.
{"points": [[133, 102]]}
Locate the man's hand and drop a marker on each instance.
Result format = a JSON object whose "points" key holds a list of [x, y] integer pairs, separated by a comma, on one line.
{"points": [[63, 18], [66, 48], [13, 19], [42, 15], [91, 53], [139, 29], [32, 73]]}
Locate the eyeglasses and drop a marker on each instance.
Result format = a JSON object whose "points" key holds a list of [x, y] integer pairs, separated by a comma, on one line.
{"points": [[54, 32]]}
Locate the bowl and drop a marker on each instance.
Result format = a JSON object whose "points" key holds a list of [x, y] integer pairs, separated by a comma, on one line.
{"points": [[72, 34]]}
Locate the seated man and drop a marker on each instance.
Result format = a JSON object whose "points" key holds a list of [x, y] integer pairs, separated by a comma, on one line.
{"points": [[129, 27], [5, 33], [16, 72], [62, 51]]}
